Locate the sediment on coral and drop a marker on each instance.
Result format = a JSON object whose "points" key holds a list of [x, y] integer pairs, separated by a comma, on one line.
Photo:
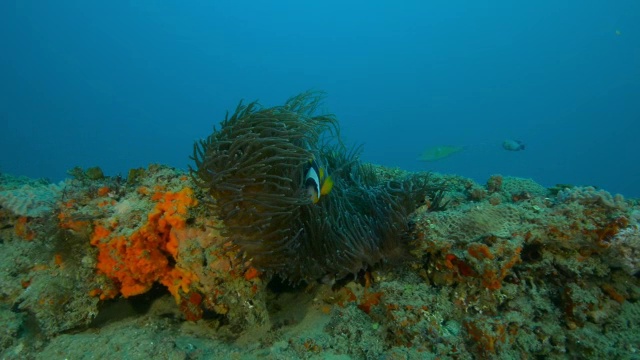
{"points": [[253, 169]]}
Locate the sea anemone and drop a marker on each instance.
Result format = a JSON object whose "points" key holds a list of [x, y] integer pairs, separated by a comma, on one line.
{"points": [[254, 170]]}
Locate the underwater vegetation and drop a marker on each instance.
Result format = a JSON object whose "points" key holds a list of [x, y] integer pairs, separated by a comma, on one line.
{"points": [[254, 169]]}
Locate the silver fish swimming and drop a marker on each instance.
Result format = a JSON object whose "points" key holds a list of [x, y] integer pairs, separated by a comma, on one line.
{"points": [[513, 145]]}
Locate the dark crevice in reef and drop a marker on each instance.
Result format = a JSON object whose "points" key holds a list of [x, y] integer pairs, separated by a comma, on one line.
{"points": [[121, 308], [278, 285]]}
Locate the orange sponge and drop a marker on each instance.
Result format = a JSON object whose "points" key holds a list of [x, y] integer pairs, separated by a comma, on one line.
{"points": [[136, 262]]}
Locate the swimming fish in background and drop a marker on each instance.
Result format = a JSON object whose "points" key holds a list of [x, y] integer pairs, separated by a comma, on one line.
{"points": [[439, 152], [513, 145], [316, 181]]}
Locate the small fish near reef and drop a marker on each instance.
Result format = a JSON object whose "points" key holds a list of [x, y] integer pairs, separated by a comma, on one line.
{"points": [[439, 152], [316, 181], [513, 145]]}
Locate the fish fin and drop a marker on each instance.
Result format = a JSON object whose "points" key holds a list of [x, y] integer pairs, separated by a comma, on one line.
{"points": [[327, 185]]}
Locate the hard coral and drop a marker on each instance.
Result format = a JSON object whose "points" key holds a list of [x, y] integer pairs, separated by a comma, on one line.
{"points": [[624, 250]]}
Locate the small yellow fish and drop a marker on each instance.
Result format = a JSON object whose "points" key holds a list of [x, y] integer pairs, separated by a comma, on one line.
{"points": [[618, 32], [439, 152]]}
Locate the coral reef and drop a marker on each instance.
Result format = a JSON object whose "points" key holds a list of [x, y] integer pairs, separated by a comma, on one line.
{"points": [[624, 249], [549, 275], [158, 265], [28, 198]]}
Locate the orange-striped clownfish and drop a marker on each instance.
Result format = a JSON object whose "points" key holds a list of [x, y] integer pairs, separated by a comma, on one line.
{"points": [[316, 181]]}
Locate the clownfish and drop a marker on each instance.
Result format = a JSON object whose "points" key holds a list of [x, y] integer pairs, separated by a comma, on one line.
{"points": [[316, 181]]}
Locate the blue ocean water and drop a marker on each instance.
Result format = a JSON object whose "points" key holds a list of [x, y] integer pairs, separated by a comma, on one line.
{"points": [[126, 83]]}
